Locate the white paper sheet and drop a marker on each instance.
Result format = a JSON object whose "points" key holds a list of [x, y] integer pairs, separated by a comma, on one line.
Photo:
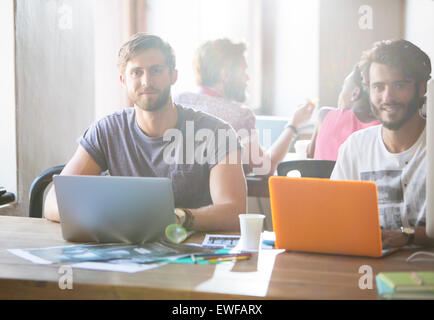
{"points": [[118, 267]]}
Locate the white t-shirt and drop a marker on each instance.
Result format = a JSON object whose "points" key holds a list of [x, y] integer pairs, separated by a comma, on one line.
{"points": [[400, 177]]}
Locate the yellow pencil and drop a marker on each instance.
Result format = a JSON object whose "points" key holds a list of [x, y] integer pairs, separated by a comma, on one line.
{"points": [[228, 259]]}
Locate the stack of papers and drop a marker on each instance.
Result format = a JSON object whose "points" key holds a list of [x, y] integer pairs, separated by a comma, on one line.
{"points": [[405, 285], [134, 258], [110, 257]]}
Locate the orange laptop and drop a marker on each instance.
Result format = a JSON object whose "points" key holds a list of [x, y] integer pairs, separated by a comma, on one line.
{"points": [[326, 216]]}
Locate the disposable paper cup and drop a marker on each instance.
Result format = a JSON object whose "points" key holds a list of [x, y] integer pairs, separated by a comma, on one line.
{"points": [[301, 147], [251, 229]]}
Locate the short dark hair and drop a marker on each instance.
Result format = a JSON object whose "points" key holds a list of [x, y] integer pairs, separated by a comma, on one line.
{"points": [[213, 56], [401, 54], [141, 42]]}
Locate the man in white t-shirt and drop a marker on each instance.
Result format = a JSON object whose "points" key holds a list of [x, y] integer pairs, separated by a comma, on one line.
{"points": [[393, 154]]}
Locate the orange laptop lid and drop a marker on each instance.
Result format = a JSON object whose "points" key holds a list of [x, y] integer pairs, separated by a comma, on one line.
{"points": [[326, 216]]}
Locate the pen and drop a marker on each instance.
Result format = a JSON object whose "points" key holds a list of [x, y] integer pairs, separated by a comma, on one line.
{"points": [[228, 259], [221, 256]]}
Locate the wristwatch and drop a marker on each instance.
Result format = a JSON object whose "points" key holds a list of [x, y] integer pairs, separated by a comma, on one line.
{"points": [[410, 234], [185, 218], [180, 215]]}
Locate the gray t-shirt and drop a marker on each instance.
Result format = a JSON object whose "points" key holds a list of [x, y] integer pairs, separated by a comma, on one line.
{"points": [[185, 154]]}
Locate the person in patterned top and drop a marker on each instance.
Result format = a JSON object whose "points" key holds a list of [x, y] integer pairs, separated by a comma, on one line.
{"points": [[221, 72]]}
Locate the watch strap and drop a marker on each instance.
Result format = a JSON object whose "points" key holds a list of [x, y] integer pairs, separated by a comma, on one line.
{"points": [[410, 238], [189, 219], [292, 127], [410, 232]]}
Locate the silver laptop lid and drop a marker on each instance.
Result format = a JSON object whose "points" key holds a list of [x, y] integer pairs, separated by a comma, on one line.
{"points": [[114, 209]]}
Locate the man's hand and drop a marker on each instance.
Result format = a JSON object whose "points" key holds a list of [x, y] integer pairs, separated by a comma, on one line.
{"points": [[393, 238], [302, 114]]}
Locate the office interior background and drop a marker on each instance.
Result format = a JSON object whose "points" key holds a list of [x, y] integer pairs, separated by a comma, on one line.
{"points": [[59, 74]]}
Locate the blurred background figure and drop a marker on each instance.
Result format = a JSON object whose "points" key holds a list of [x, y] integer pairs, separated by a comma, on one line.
{"points": [[221, 73], [334, 126]]}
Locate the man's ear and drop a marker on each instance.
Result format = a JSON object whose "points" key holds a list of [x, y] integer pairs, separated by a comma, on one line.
{"points": [[224, 75], [422, 88], [355, 94], [174, 76], [122, 79]]}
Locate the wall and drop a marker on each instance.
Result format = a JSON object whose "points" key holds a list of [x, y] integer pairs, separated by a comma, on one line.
{"points": [[55, 85], [342, 40], [8, 160], [419, 25]]}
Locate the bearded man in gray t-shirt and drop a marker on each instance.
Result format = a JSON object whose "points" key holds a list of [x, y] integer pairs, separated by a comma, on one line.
{"points": [[199, 153]]}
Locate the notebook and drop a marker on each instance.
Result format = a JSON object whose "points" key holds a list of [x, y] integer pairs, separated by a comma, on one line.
{"points": [[326, 216], [405, 285]]}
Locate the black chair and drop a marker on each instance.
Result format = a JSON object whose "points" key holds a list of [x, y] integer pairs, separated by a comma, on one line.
{"points": [[6, 198], [308, 168], [37, 190]]}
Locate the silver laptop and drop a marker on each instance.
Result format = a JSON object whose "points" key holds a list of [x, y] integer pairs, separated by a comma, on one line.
{"points": [[108, 209]]}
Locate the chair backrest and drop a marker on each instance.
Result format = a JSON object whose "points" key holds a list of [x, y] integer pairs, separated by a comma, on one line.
{"points": [[37, 190], [308, 168]]}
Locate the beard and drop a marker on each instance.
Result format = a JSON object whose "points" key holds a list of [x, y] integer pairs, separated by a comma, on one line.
{"points": [[413, 106], [235, 90], [159, 103]]}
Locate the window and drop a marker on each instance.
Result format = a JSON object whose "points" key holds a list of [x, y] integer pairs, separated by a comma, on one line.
{"points": [[186, 24]]}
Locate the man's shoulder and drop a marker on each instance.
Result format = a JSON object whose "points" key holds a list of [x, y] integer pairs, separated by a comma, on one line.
{"points": [[201, 100], [117, 118], [235, 113], [193, 99], [202, 119], [365, 135], [359, 142]]}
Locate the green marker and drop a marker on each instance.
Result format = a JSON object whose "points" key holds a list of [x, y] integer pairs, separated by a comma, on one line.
{"points": [[176, 233]]}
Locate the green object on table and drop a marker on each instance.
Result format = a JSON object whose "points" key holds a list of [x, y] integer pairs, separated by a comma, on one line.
{"points": [[189, 260], [405, 285], [176, 233]]}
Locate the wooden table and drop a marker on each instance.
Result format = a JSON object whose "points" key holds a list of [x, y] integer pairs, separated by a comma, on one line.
{"points": [[268, 275]]}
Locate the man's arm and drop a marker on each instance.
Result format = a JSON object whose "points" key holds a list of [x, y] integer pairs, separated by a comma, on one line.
{"points": [[397, 239], [80, 164], [280, 148], [266, 162], [229, 195]]}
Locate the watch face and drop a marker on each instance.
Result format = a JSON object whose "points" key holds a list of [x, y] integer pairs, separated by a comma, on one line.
{"points": [[179, 212], [181, 215], [408, 230]]}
